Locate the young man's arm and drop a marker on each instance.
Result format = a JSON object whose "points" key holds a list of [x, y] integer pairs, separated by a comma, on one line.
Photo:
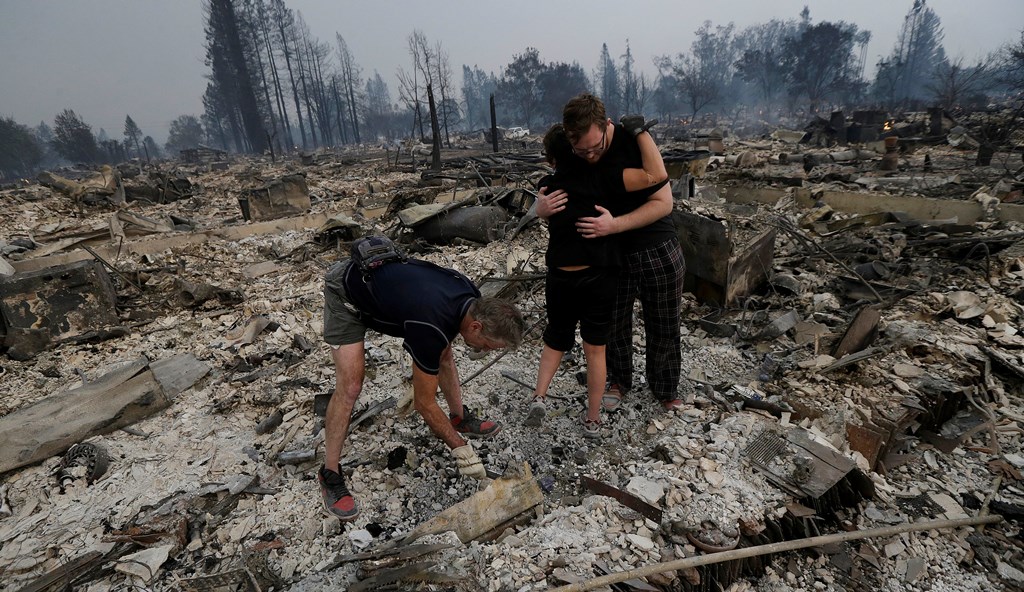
{"points": [[657, 206], [654, 171]]}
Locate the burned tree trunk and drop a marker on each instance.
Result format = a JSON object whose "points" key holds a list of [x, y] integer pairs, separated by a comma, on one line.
{"points": [[494, 127], [284, 23], [223, 25], [435, 162], [279, 100]]}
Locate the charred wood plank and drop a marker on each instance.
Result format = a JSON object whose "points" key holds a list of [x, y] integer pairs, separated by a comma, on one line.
{"points": [[861, 333], [115, 400]]}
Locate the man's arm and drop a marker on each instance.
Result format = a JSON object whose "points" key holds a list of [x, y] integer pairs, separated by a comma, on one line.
{"points": [[425, 401], [657, 206]]}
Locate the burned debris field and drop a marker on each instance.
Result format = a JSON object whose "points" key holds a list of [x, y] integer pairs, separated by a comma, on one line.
{"points": [[850, 349], [820, 385]]}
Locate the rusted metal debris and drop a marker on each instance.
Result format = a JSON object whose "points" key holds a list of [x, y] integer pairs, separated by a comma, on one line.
{"points": [[624, 497], [797, 463], [718, 270], [67, 302], [287, 195], [861, 333]]}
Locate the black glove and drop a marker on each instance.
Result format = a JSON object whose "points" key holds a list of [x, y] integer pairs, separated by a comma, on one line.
{"points": [[636, 125]]}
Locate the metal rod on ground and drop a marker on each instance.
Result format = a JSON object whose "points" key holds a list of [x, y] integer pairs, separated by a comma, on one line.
{"points": [[759, 550], [473, 168], [496, 358], [787, 227], [112, 268], [490, 363], [988, 499], [516, 380]]}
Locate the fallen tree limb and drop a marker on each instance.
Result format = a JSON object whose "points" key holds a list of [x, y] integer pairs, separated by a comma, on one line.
{"points": [[759, 550]]}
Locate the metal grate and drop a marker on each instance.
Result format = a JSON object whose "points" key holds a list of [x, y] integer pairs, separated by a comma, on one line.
{"points": [[766, 446]]}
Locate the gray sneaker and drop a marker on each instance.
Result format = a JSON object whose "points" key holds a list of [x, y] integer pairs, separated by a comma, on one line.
{"points": [[591, 428], [535, 415]]}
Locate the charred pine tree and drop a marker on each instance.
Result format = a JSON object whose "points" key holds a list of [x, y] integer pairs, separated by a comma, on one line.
{"points": [[232, 74], [285, 21], [350, 80], [323, 52], [317, 53], [215, 119], [494, 126], [262, 23], [254, 48], [301, 59], [133, 135], [340, 110], [435, 153]]}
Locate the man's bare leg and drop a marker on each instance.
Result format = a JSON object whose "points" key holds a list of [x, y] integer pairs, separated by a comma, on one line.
{"points": [[349, 368]]}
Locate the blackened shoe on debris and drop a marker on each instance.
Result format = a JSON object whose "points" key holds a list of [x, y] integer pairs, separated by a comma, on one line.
{"points": [[337, 499], [472, 426], [535, 415]]}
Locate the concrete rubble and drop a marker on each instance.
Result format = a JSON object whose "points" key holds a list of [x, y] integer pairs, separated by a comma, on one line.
{"points": [[851, 347]]}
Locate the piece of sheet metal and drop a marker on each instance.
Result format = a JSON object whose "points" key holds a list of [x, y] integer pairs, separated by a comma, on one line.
{"points": [[625, 498]]}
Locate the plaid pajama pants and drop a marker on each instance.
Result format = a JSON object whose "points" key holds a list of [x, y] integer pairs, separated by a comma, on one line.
{"points": [[655, 276]]}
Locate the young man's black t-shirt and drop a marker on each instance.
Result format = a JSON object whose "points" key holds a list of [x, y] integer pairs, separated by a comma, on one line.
{"points": [[624, 152]]}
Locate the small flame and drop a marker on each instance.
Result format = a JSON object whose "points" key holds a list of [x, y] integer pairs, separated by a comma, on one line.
{"points": [[888, 126]]}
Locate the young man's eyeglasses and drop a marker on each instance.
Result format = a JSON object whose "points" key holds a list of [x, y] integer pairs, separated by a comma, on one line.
{"points": [[583, 153]]}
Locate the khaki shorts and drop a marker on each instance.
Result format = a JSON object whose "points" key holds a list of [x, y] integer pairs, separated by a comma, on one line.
{"points": [[343, 323]]}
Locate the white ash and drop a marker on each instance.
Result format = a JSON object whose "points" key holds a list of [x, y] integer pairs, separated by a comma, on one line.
{"points": [[207, 436]]}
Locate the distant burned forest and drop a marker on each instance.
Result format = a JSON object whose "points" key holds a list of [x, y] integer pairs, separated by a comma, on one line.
{"points": [[274, 86]]}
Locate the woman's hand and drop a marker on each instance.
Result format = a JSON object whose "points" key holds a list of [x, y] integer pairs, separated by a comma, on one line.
{"points": [[550, 204]]}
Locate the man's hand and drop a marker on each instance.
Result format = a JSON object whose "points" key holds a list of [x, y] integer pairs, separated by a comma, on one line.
{"points": [[636, 125], [594, 227], [468, 462], [549, 204]]}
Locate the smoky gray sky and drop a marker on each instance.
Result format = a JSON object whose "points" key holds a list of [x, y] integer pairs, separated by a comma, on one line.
{"points": [[109, 58]]}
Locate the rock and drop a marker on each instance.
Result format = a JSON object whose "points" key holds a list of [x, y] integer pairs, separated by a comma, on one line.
{"points": [[361, 538], [895, 548], [641, 541], [949, 506], [908, 370], [1008, 572], [915, 565], [649, 491], [145, 564]]}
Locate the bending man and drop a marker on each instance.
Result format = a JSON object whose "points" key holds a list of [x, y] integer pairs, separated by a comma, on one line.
{"points": [[428, 306]]}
